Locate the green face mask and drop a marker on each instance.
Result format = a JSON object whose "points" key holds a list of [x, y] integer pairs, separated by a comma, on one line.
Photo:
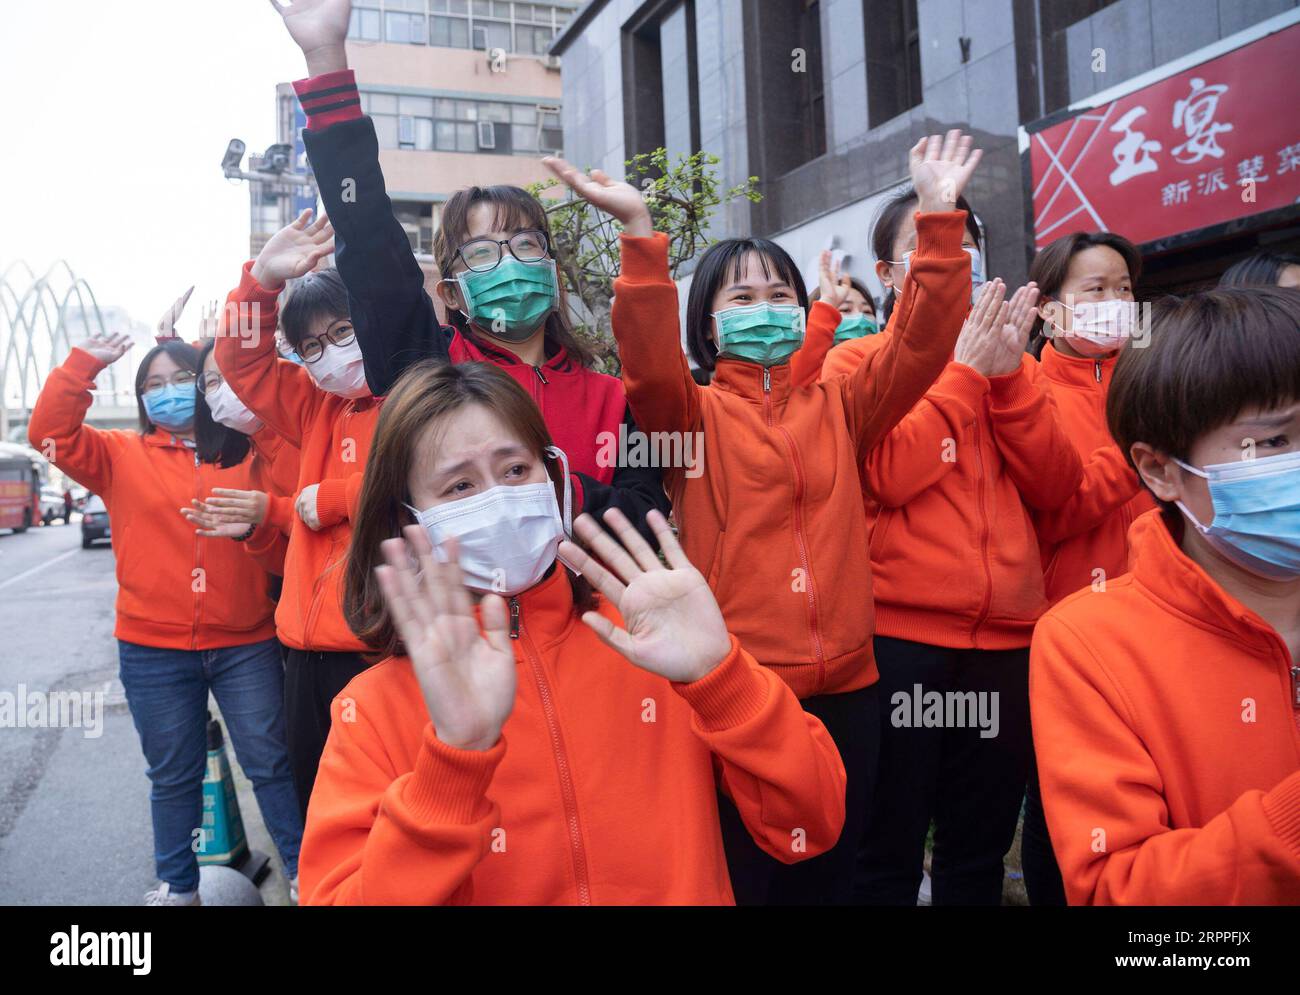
{"points": [[855, 326], [512, 300], [767, 334]]}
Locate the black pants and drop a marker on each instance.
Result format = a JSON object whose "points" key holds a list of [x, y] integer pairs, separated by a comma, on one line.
{"points": [[946, 768], [853, 721], [311, 682], [1037, 859]]}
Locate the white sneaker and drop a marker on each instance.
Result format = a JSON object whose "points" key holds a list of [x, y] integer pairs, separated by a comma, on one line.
{"points": [[293, 890], [163, 895]]}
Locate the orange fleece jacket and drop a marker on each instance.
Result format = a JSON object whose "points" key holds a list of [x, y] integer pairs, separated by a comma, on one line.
{"points": [[175, 589], [774, 521], [1090, 534], [953, 549], [1167, 730], [332, 435], [601, 790]]}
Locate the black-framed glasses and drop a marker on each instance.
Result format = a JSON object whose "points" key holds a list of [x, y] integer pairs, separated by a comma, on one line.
{"points": [[180, 378], [311, 349], [480, 255], [210, 382]]}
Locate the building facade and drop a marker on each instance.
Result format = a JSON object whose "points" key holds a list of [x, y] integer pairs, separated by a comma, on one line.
{"points": [[462, 92], [822, 99]]}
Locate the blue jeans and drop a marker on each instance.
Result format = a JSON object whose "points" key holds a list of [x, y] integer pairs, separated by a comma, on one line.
{"points": [[168, 693]]}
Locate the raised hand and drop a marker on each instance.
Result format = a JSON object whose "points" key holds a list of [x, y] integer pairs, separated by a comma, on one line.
{"points": [[834, 285], [616, 198], [941, 168], [229, 519], [107, 348], [293, 251], [993, 339], [673, 625], [467, 676], [167, 323], [319, 28]]}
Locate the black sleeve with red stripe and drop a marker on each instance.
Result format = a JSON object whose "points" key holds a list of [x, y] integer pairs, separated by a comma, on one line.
{"points": [[394, 319]]}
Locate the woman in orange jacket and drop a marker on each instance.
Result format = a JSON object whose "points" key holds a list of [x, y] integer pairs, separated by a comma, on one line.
{"points": [[774, 516], [326, 411], [193, 615], [958, 587], [1167, 706], [547, 745], [1087, 314]]}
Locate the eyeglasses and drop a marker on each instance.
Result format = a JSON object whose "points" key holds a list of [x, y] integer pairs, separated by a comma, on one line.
{"points": [[311, 349], [156, 385], [481, 255], [210, 382]]}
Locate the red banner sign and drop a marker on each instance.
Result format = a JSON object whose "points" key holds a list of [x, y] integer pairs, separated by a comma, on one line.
{"points": [[1212, 143]]}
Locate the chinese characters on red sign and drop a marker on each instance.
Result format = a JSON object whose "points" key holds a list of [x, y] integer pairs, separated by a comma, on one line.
{"points": [[1212, 143]]}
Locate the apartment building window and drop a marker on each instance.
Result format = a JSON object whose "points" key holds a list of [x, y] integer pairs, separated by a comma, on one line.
{"points": [[426, 124], [519, 28], [419, 220], [812, 89], [893, 59]]}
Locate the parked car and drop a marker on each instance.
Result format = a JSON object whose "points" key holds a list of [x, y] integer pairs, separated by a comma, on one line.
{"points": [[52, 506], [94, 521]]}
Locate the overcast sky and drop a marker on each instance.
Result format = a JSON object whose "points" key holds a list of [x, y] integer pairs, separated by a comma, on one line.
{"points": [[114, 115]]}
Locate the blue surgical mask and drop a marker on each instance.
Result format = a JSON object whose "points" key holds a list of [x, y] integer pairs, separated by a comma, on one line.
{"points": [[172, 407], [855, 326], [1256, 513], [763, 333]]}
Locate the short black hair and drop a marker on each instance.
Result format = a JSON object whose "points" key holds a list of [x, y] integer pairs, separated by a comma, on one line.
{"points": [[214, 442], [1263, 269], [182, 354], [319, 294], [1209, 357], [726, 260]]}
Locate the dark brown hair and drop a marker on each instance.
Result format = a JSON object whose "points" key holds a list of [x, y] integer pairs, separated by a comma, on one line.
{"points": [[1051, 268], [1209, 356], [514, 210], [427, 393], [319, 294], [214, 442], [1263, 269]]}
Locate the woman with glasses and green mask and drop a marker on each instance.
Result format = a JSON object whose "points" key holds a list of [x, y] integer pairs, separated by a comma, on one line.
{"points": [[498, 282], [193, 615], [323, 408]]}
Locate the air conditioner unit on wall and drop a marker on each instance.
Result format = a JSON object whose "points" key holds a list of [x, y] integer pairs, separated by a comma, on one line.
{"points": [[487, 135], [551, 61]]}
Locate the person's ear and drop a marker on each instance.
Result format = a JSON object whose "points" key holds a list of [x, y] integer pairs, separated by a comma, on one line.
{"points": [[885, 272], [1158, 471], [1051, 312], [449, 294]]}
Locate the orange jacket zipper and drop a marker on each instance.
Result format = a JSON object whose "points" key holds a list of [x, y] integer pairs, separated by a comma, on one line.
{"points": [[198, 560], [984, 535], [577, 846], [819, 653]]}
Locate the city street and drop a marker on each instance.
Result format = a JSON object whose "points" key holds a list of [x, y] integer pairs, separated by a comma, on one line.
{"points": [[74, 810]]}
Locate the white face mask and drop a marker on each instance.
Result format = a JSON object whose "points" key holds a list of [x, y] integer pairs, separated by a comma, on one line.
{"points": [[1101, 327], [228, 410], [506, 537], [340, 370]]}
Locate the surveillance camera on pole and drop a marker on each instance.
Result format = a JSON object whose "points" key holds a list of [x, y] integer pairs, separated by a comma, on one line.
{"points": [[273, 167]]}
